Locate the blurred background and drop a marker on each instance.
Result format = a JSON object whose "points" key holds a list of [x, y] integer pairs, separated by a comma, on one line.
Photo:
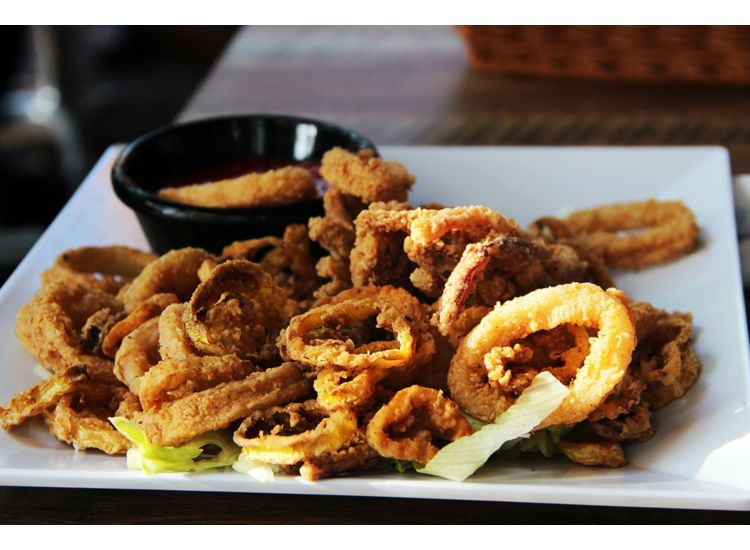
{"points": [[66, 93]]}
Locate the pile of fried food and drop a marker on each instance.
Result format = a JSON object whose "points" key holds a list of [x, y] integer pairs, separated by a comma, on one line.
{"points": [[415, 326]]}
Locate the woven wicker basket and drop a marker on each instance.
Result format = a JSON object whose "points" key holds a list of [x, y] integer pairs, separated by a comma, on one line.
{"points": [[716, 54]]}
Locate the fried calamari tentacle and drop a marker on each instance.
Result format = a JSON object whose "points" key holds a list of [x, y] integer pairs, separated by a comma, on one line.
{"points": [[171, 379], [175, 272], [664, 357], [498, 269], [378, 256], [387, 328], [106, 268], [555, 232], [288, 260], [635, 425], [148, 309], [295, 433], [335, 233], [669, 230], [138, 353], [582, 304], [335, 230], [41, 396], [49, 326], [561, 350], [272, 188], [437, 239], [410, 424], [366, 176], [238, 310], [176, 422], [80, 419]]}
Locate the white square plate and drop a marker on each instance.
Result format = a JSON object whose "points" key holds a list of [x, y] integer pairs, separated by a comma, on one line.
{"points": [[698, 457]]}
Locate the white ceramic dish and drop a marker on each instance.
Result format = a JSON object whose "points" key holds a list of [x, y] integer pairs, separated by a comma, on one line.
{"points": [[697, 459]]}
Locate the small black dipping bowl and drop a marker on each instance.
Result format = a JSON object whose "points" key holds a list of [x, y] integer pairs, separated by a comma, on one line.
{"points": [[213, 149]]}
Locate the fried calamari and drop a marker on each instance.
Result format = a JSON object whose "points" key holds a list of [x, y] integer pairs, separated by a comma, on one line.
{"points": [[659, 231], [366, 176], [582, 304], [272, 188], [410, 424]]}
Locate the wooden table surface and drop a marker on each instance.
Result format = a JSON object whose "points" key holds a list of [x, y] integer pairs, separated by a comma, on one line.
{"points": [[411, 86]]}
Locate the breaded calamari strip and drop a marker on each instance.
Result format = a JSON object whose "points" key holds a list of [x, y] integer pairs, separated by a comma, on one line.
{"points": [[272, 188], [171, 379], [174, 343], [216, 408]]}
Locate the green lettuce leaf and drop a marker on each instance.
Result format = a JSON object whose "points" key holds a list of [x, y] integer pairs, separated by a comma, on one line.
{"points": [[210, 450], [460, 459]]}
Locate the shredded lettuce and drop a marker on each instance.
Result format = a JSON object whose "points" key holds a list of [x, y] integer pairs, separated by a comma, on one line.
{"points": [[210, 450], [544, 441], [261, 471], [460, 459]]}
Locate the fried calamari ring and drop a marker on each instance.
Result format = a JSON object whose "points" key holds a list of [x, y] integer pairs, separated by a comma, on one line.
{"points": [[138, 353], [408, 425], [342, 389], [272, 188], [174, 343], [583, 304], [80, 418], [106, 268], [171, 379], [386, 328], [175, 422], [238, 310], [366, 176], [41, 396], [49, 327], [669, 231], [175, 272], [288, 260], [148, 309], [295, 433]]}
